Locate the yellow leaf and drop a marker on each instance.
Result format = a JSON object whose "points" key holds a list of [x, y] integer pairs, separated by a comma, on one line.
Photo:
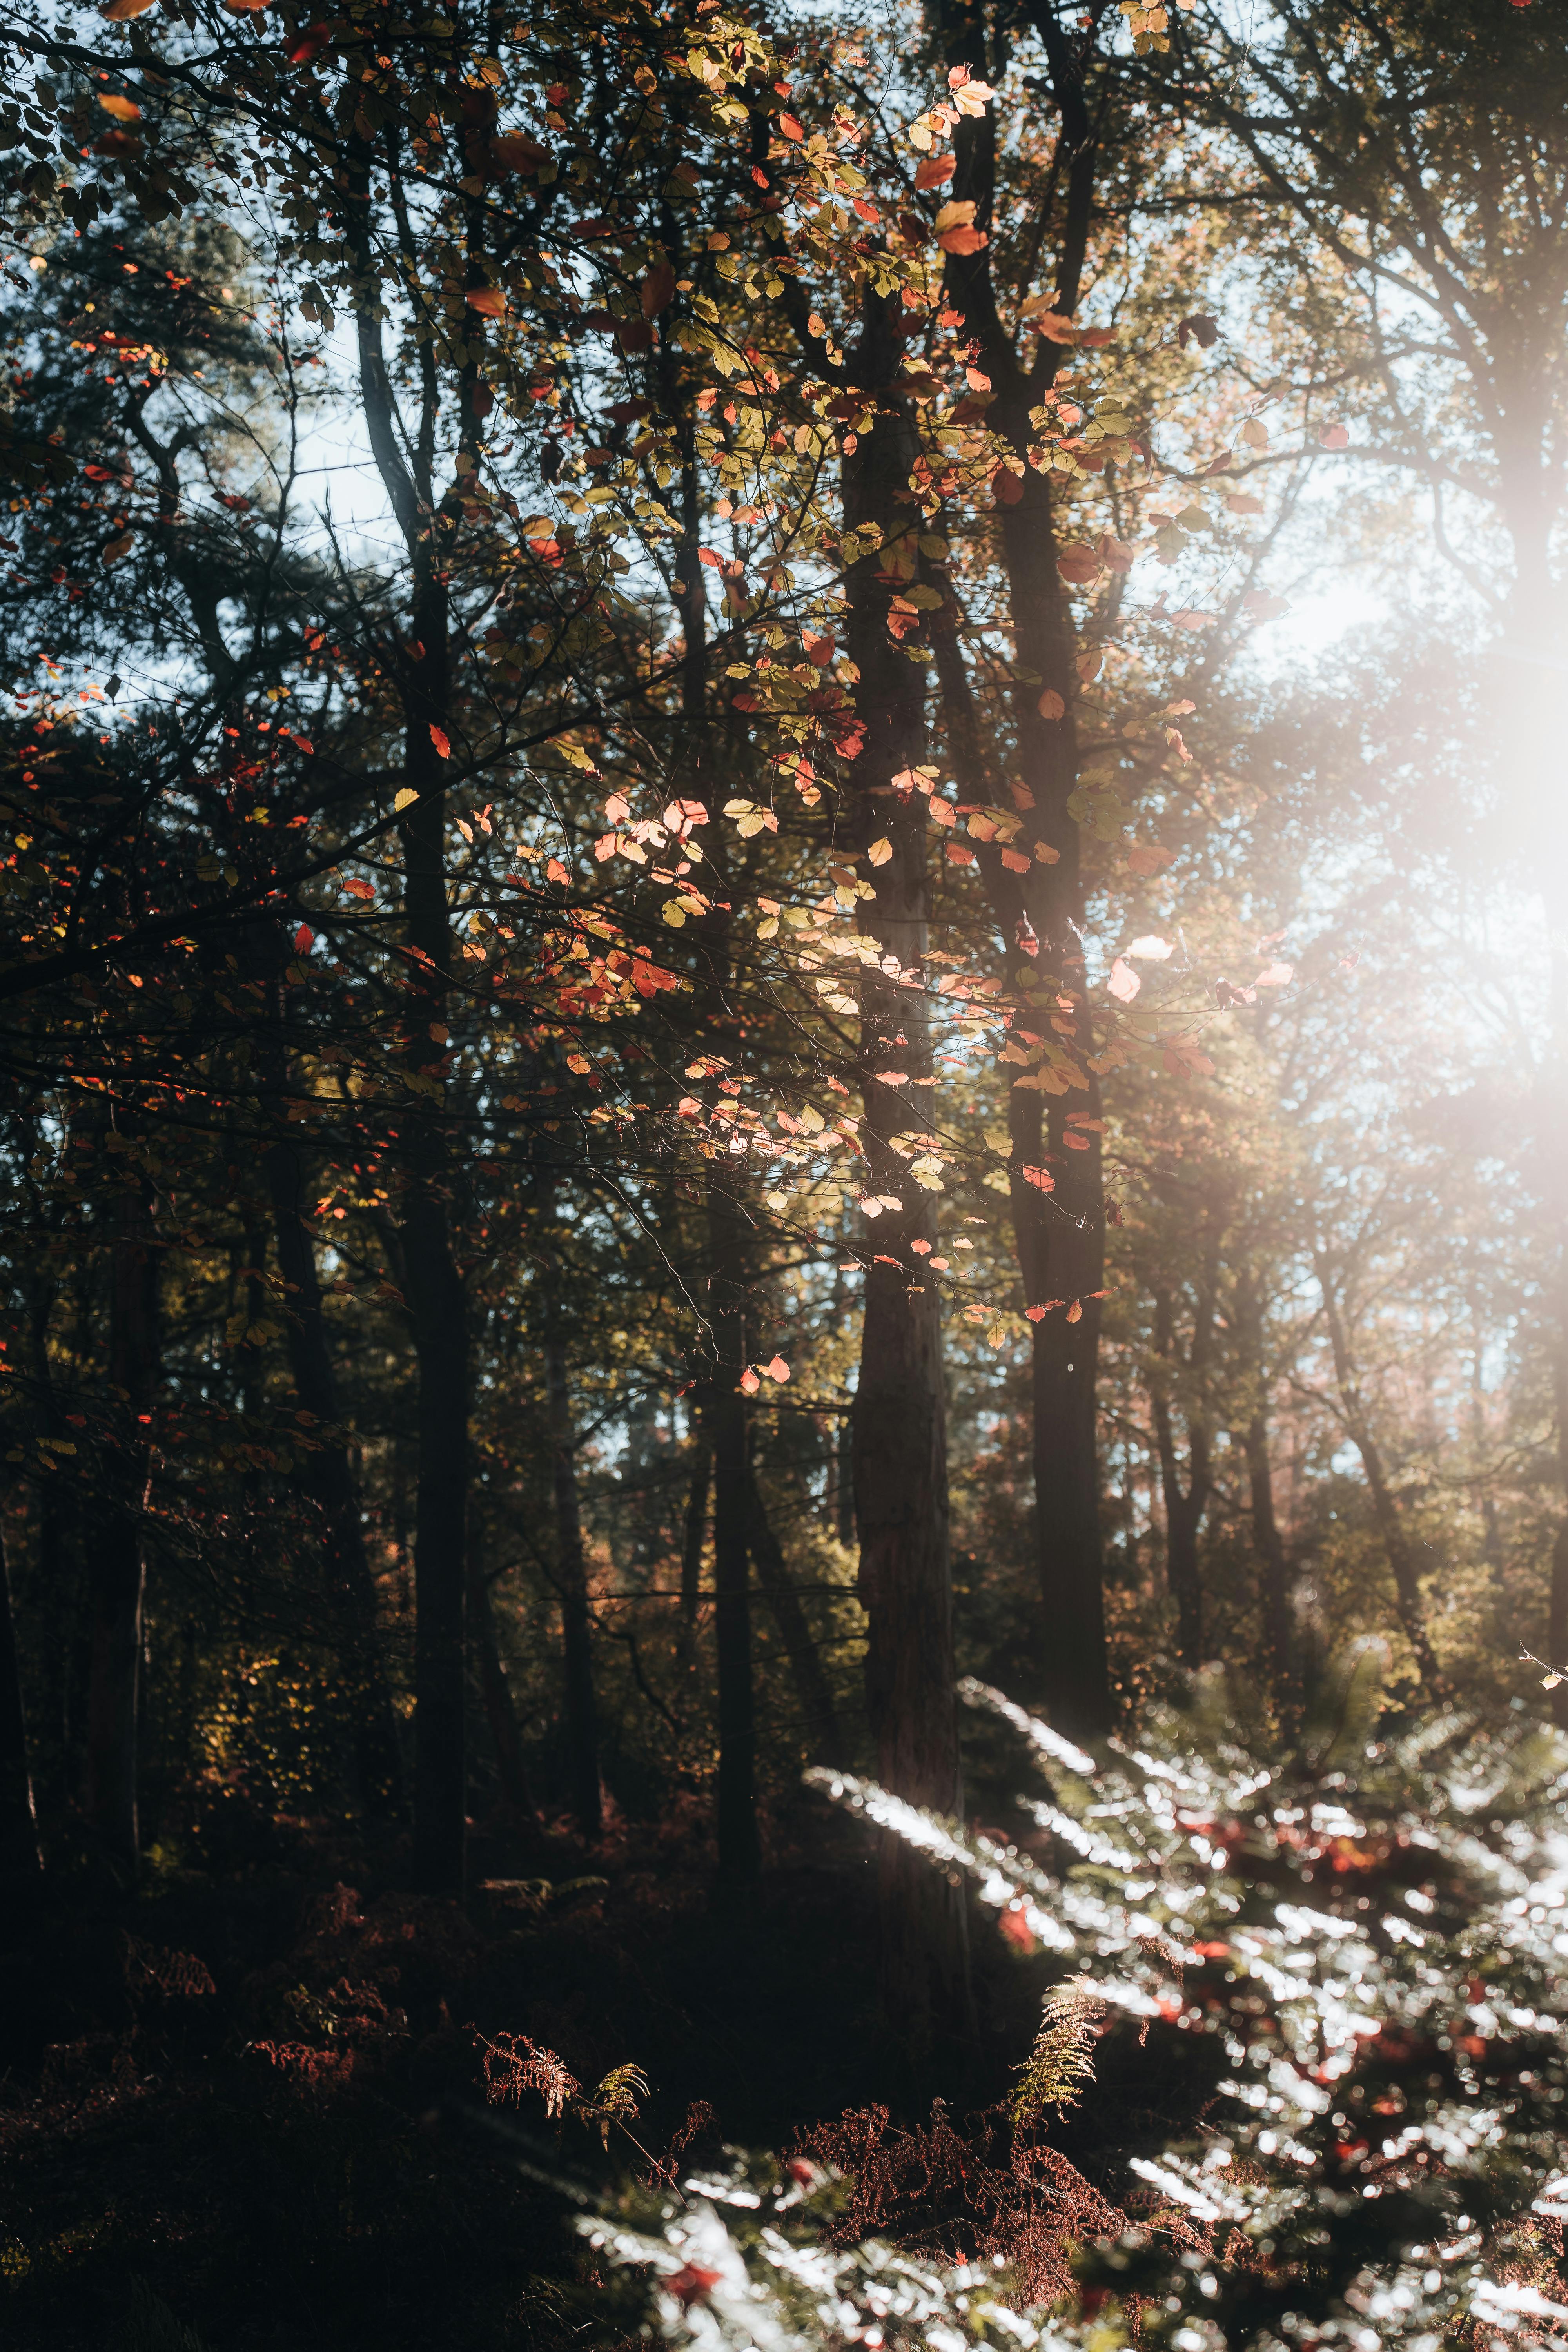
{"points": [[881, 851], [406, 798]]}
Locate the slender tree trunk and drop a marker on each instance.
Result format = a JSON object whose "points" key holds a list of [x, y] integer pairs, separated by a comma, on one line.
{"points": [[571, 1571], [1059, 1236], [433, 1287], [1184, 1508], [1386, 1509], [118, 1568], [20, 1858], [328, 1477], [1273, 1568], [494, 1691], [824, 1737], [724, 1414], [693, 1539], [901, 1410]]}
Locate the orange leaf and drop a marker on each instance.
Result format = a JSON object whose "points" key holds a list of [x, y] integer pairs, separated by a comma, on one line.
{"points": [[119, 10], [1043, 1182], [1051, 705], [962, 240], [443, 746], [304, 939], [488, 301], [1075, 1312], [935, 172], [790, 127], [1014, 861], [124, 109], [556, 872], [778, 1370]]}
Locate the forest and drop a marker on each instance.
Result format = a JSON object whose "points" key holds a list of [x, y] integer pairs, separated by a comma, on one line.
{"points": [[783, 1244]]}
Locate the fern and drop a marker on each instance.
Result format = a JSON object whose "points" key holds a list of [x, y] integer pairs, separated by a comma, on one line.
{"points": [[1061, 2062]]}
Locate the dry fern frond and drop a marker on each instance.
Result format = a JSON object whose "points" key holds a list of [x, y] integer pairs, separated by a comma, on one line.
{"points": [[1061, 2061]]}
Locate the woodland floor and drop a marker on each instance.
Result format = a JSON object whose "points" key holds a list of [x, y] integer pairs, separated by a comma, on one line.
{"points": [[299, 2155]]}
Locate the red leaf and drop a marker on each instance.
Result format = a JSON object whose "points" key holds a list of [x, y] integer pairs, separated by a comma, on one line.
{"points": [[778, 1370], [443, 746], [304, 939], [1017, 1930], [790, 127]]}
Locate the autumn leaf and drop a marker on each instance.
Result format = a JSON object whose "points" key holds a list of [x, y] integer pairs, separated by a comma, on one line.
{"points": [[118, 11], [1051, 704], [488, 301], [962, 240], [1079, 564], [657, 287], [1254, 432], [580, 1063], [958, 214], [442, 743], [556, 872], [1040, 1177], [1333, 437], [1277, 975], [358, 888], [405, 799], [1124, 982], [124, 109], [934, 171], [778, 1370], [1075, 1312], [119, 547], [1152, 948], [1239, 504], [304, 939], [881, 851], [750, 1383]]}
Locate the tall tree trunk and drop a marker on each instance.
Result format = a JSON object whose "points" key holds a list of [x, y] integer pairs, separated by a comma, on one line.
{"points": [[572, 1572], [724, 1414], [1185, 1507], [823, 1733], [495, 1693], [435, 1291], [1267, 1544], [20, 1858], [901, 1410], [693, 1537], [327, 1477], [1386, 1509], [1059, 1236], [118, 1568]]}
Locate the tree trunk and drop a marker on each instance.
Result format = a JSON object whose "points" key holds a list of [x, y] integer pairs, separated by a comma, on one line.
{"points": [[1059, 1236], [20, 1858], [1386, 1509], [494, 1691], [572, 1573], [435, 1292], [327, 1476], [1183, 1508], [693, 1537], [900, 1413], [824, 1737], [1273, 1568], [119, 1568], [724, 1414]]}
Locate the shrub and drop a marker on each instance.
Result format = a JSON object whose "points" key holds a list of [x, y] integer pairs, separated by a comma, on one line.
{"points": [[1370, 1937]]}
